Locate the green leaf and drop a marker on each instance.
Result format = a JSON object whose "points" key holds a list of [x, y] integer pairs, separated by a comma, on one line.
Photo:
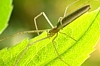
{"points": [[85, 29], [5, 12]]}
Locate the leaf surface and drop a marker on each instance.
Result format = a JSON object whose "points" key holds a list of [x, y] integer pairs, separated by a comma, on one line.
{"points": [[5, 12]]}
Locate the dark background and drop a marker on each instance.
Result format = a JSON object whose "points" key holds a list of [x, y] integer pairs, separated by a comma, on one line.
{"points": [[23, 15]]}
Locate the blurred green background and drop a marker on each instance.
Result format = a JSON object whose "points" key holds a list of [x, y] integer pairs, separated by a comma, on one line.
{"points": [[23, 15]]}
